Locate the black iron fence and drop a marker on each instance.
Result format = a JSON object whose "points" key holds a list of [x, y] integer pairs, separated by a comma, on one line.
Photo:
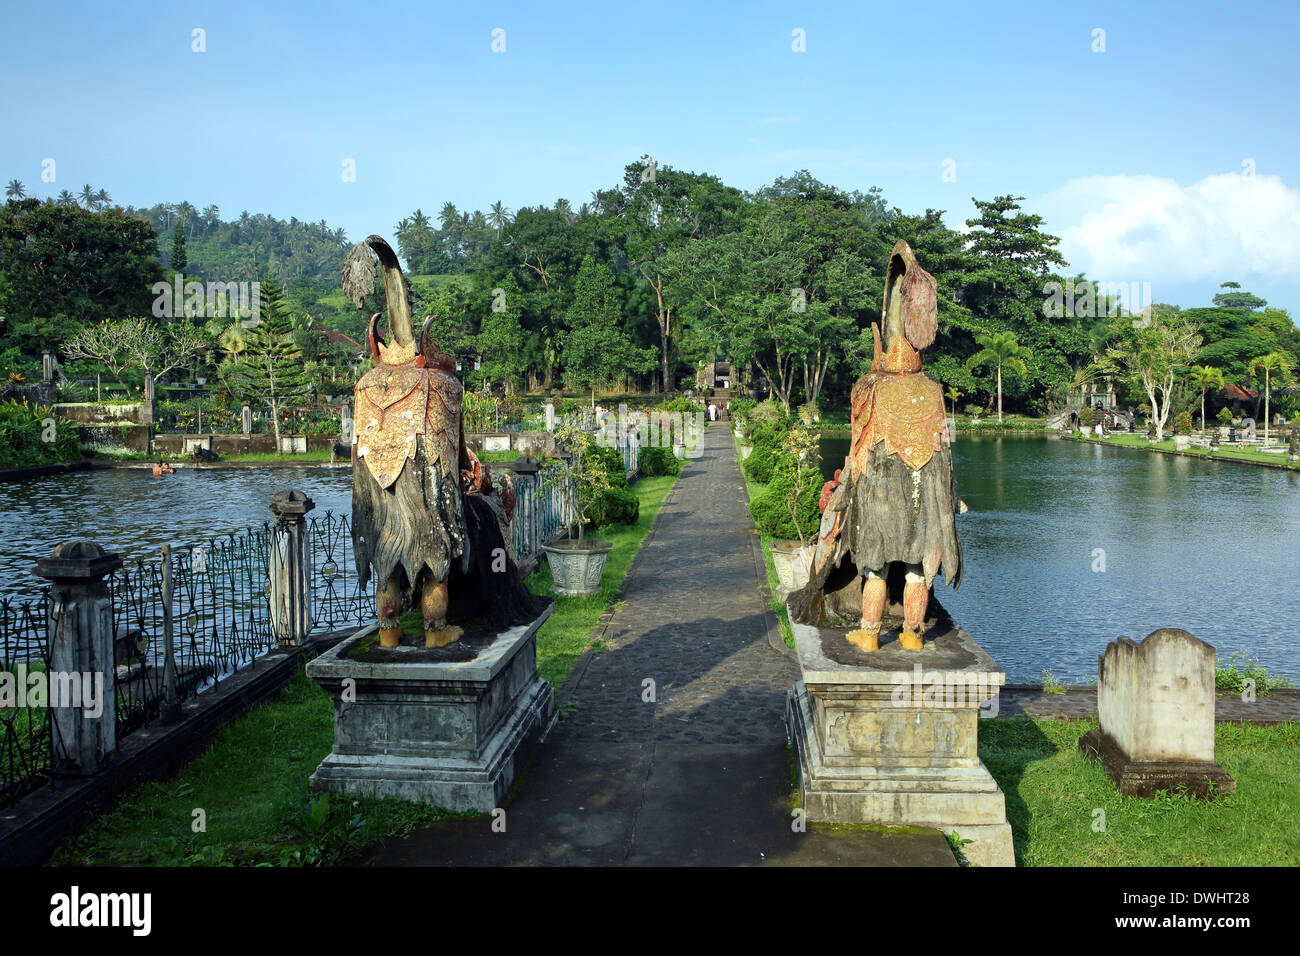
{"points": [[204, 608]]}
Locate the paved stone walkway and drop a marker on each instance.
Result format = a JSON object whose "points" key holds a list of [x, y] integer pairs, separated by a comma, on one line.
{"points": [[1076, 702], [701, 775]]}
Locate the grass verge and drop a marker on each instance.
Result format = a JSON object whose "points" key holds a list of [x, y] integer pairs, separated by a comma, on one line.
{"points": [[754, 489], [1065, 811], [1224, 453]]}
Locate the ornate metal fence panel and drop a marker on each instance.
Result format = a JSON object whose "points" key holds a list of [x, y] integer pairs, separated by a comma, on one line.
{"points": [[338, 599], [30, 747]]}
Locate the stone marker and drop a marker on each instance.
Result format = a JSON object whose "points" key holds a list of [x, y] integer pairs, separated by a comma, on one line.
{"points": [[1155, 705], [246, 419]]}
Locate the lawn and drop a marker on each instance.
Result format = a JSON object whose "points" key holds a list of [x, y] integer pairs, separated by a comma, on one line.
{"points": [[1064, 810], [754, 489], [1125, 440], [251, 783]]}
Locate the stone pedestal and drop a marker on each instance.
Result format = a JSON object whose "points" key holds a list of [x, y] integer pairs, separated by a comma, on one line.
{"points": [[890, 737], [450, 726], [1155, 710]]}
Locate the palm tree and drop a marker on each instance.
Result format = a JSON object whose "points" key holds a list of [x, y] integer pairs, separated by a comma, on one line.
{"points": [[233, 342], [1273, 365], [1206, 377], [65, 198], [15, 190], [102, 199], [500, 216], [565, 209], [953, 394], [1000, 349], [87, 196]]}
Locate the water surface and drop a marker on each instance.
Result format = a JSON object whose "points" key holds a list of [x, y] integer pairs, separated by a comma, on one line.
{"points": [[1069, 545]]}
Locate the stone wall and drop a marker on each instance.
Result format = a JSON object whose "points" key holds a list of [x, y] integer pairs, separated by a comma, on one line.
{"points": [[534, 444], [107, 428], [176, 445]]}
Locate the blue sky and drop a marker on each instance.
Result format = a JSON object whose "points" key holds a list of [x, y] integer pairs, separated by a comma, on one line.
{"points": [[1171, 157]]}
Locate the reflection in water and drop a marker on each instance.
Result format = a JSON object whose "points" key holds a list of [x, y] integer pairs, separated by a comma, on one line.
{"points": [[1204, 546], [132, 512]]}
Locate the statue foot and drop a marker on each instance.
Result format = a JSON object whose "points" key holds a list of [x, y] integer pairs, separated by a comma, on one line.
{"points": [[442, 636], [390, 636], [863, 639], [910, 640]]}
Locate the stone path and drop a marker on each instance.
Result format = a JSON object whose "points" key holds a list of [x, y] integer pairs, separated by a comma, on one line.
{"points": [[699, 776], [1076, 702]]}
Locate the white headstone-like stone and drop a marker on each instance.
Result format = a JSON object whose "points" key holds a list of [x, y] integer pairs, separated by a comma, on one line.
{"points": [[1156, 699]]}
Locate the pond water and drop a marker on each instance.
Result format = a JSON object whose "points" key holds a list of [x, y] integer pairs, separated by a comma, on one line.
{"points": [[132, 512], [1205, 546], [1208, 547]]}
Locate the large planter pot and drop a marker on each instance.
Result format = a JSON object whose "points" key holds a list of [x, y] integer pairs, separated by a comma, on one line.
{"points": [[793, 563], [746, 451], [576, 566]]}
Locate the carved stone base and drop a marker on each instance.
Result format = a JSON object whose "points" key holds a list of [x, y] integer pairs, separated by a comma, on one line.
{"points": [[1143, 778], [449, 726], [891, 737]]}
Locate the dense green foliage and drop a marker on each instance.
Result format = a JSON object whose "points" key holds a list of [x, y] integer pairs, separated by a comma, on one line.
{"points": [[662, 271], [653, 462], [31, 435]]}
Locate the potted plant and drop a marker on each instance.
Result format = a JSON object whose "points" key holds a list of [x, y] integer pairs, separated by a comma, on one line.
{"points": [[793, 559], [580, 478]]}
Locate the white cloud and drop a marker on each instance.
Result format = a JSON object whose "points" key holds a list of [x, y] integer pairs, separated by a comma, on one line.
{"points": [[1226, 226]]}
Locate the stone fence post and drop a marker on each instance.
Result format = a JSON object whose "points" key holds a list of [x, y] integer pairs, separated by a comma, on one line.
{"points": [[290, 570], [528, 505], [82, 691]]}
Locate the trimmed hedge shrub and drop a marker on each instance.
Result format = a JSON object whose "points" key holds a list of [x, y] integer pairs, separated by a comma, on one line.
{"points": [[760, 464], [619, 505], [769, 508], [658, 461]]}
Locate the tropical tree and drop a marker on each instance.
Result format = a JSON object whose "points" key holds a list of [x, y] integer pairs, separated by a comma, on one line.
{"points": [[272, 373], [86, 197], [596, 350], [1001, 350], [15, 190], [1273, 366], [1153, 357], [500, 217], [233, 341], [65, 198], [1205, 377], [102, 198], [953, 394]]}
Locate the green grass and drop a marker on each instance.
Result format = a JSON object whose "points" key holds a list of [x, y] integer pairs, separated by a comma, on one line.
{"points": [[1053, 794], [565, 636], [1125, 440], [754, 489], [251, 784], [320, 454]]}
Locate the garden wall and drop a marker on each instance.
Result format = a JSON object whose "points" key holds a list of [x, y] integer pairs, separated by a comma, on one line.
{"points": [[535, 444], [108, 428], [173, 445]]}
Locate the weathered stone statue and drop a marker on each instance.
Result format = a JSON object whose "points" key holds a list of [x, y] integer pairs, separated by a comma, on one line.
{"points": [[413, 522], [891, 513]]}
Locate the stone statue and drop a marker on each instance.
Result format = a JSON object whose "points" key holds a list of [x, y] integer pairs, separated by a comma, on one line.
{"points": [[1293, 446], [421, 514], [888, 522]]}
